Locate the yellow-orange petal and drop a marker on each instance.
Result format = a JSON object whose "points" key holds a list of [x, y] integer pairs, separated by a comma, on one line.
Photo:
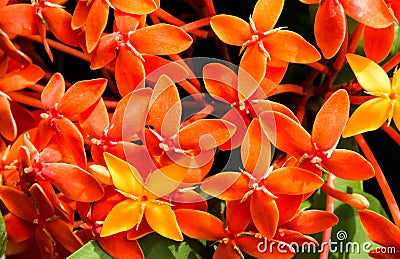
{"points": [[330, 27], [369, 74], [160, 39], [231, 29], [368, 116], [207, 227], [396, 114], [122, 217], [125, 177], [291, 47], [273, 8], [332, 115], [256, 150], [162, 219]]}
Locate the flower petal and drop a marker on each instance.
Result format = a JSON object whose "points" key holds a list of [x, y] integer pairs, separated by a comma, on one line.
{"points": [[54, 91], [271, 7], [162, 219], [238, 215], [18, 230], [96, 23], [207, 227], [330, 16], [260, 248], [125, 177], [292, 180], [304, 222], [264, 213], [105, 52], [256, 150], [226, 185], [288, 206], [205, 134], [12, 51], [58, 21], [118, 246], [230, 29], [63, 234], [291, 47], [122, 217], [44, 207], [332, 115], [19, 19], [165, 108], [285, 133], [20, 78], [95, 119], [221, 82], [378, 42], [379, 229], [8, 126], [226, 251], [136, 7], [80, 15], [129, 72], [18, 203], [156, 66], [368, 116], [370, 75], [165, 40], [85, 187], [373, 13], [349, 165]]}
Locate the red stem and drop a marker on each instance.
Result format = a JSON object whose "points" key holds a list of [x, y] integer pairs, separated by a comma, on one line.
{"points": [[394, 61], [326, 237], [380, 177], [392, 133], [210, 7], [355, 38]]}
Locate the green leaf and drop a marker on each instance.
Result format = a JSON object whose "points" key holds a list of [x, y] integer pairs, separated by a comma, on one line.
{"points": [[91, 250], [3, 237], [155, 246]]}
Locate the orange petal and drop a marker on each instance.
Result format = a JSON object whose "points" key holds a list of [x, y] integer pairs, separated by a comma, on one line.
{"points": [[332, 115], [156, 66], [162, 219], [207, 227], [368, 116], [288, 206], [63, 234], [259, 248], [298, 238], [21, 78], [136, 7], [18, 19], [130, 114], [18, 203], [252, 68], [285, 133], [118, 246], [330, 16], [96, 23], [220, 82], [238, 215], [378, 42], [370, 75], [291, 47], [95, 119], [129, 72], [264, 213], [226, 186], [292, 180], [231, 29], [304, 222], [240, 120], [374, 13], [125, 177], [349, 165], [166, 40], [59, 22], [266, 105], [18, 230], [267, 22], [8, 127], [85, 188], [165, 108], [54, 91], [125, 22], [45, 244], [81, 95], [80, 15], [226, 251], [122, 217], [10, 50], [44, 207], [256, 150], [379, 229], [105, 52], [205, 134]]}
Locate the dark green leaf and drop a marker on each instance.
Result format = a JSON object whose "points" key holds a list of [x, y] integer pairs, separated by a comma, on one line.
{"points": [[3, 237], [92, 250]]}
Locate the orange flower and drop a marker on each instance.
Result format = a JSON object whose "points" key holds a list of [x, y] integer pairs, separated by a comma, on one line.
{"points": [[331, 17], [318, 150], [386, 103], [142, 199], [262, 44]]}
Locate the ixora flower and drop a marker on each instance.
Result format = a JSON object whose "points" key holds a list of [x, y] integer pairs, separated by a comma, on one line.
{"points": [[262, 44], [143, 199], [385, 106]]}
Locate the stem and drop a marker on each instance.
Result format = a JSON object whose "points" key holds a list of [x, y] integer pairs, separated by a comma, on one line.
{"points": [[25, 99], [319, 67], [36, 87], [196, 24], [394, 61], [192, 77], [191, 89], [329, 208], [392, 133], [355, 99], [61, 47], [210, 7], [380, 177], [355, 38]]}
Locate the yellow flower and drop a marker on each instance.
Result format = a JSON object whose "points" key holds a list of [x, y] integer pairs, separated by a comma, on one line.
{"points": [[384, 106], [142, 199]]}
